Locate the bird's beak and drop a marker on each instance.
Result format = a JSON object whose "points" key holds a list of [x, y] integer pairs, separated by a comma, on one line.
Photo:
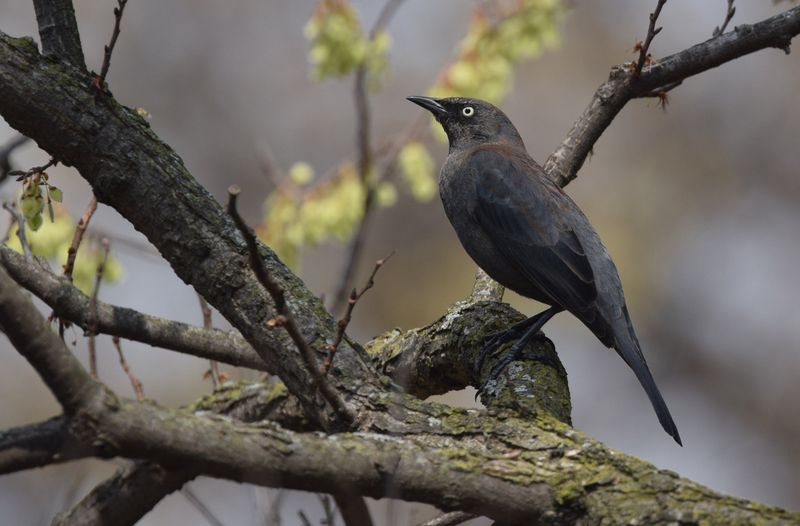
{"points": [[429, 103]]}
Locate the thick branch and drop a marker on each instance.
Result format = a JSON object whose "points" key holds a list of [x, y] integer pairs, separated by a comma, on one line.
{"points": [[58, 30], [126, 496], [609, 99], [131, 170], [506, 468], [136, 488], [509, 469], [439, 358]]}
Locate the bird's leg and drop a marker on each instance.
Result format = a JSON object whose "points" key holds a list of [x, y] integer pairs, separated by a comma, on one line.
{"points": [[518, 330], [533, 326]]}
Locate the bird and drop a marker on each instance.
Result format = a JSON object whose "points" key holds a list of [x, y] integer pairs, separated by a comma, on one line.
{"points": [[527, 234]]}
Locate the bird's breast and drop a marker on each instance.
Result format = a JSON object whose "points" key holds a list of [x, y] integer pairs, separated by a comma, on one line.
{"points": [[458, 192]]}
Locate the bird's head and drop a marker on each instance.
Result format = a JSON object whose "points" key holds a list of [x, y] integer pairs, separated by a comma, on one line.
{"points": [[470, 122]]}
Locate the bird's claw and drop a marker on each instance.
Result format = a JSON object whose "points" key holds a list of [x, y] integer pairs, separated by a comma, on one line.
{"points": [[513, 354], [493, 342]]}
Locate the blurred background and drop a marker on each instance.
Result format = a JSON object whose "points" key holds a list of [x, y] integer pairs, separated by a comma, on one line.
{"points": [[699, 205]]}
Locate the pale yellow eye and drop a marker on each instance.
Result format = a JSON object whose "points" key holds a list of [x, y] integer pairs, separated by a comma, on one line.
{"points": [[468, 111]]}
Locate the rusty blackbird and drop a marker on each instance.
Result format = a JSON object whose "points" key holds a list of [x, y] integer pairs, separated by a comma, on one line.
{"points": [[528, 235]]}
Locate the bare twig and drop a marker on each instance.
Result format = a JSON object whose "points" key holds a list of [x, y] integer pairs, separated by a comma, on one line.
{"points": [[77, 237], [5, 154], [20, 221], [364, 155], [269, 166], [12, 221], [357, 242], [135, 382], [99, 81], [351, 303], [200, 506], [652, 31], [213, 369], [92, 329], [301, 514], [284, 317], [449, 519], [728, 16], [36, 170], [328, 509], [612, 95]]}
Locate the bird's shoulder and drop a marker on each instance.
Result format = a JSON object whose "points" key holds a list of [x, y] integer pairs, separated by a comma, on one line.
{"points": [[507, 179]]}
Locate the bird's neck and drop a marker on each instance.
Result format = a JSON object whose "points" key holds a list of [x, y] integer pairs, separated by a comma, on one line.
{"points": [[469, 143]]}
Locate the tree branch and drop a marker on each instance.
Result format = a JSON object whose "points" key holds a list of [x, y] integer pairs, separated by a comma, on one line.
{"points": [[100, 81], [364, 163], [449, 519], [286, 320], [519, 470], [124, 498], [38, 445], [31, 335], [131, 170], [507, 468], [58, 30], [609, 99], [71, 304]]}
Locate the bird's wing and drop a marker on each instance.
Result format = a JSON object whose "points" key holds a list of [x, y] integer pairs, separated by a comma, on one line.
{"points": [[522, 217]]}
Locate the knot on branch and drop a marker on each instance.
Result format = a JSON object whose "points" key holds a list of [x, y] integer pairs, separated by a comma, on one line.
{"points": [[439, 358]]}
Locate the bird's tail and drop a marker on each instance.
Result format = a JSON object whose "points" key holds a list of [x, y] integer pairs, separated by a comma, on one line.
{"points": [[627, 346]]}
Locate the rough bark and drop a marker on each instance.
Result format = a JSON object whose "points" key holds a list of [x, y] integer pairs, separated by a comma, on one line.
{"points": [[130, 169], [58, 30]]}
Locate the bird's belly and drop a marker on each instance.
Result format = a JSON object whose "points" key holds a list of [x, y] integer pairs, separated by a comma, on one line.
{"points": [[483, 251]]}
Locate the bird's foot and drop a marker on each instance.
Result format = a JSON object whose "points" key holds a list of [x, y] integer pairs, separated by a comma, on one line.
{"points": [[515, 353], [494, 341]]}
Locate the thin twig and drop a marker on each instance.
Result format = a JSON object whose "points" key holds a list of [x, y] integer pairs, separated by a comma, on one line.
{"points": [[5, 154], [357, 242], [328, 509], [12, 221], [351, 303], [303, 518], [100, 80], [728, 16], [200, 506], [662, 94], [20, 220], [449, 519], [652, 31], [77, 237], [24, 174], [285, 318], [92, 326], [364, 156], [270, 167], [135, 382], [213, 370]]}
